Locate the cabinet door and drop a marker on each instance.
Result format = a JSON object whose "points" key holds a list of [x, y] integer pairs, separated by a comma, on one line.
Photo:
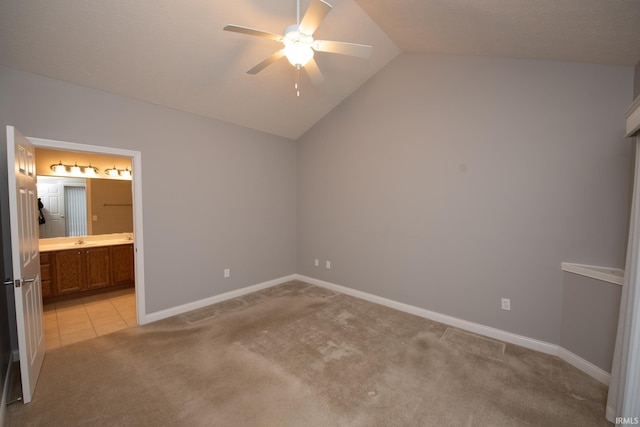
{"points": [[68, 272], [122, 264], [97, 267], [46, 276]]}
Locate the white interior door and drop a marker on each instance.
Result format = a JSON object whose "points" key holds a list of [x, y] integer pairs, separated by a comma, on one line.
{"points": [[51, 192], [23, 215]]}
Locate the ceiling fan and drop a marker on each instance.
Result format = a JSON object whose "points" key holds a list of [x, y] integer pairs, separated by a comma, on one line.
{"points": [[299, 44]]}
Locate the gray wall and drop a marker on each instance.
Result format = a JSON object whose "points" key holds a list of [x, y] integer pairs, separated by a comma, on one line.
{"points": [[6, 243], [215, 195], [5, 334], [636, 81], [448, 182], [590, 318], [445, 182]]}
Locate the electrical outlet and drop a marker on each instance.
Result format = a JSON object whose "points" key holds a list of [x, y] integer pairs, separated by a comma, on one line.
{"points": [[328, 265], [227, 272], [316, 262], [506, 304]]}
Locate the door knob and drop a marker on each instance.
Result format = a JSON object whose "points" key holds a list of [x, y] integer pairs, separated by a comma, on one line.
{"points": [[28, 280], [24, 281]]}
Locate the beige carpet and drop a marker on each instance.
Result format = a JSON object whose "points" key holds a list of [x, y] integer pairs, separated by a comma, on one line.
{"points": [[299, 355]]}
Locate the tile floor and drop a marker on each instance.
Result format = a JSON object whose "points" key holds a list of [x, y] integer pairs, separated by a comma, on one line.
{"points": [[83, 318]]}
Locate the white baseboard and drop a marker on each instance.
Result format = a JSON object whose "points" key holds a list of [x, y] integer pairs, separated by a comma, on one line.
{"points": [[584, 365], [477, 328], [5, 390], [173, 311], [488, 331], [530, 343]]}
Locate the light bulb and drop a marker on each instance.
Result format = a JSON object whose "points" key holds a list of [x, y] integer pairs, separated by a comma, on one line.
{"points": [[75, 169], [125, 173], [298, 53], [112, 172], [60, 168], [297, 46]]}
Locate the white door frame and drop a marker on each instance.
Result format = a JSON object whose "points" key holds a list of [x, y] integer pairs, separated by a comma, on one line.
{"points": [[136, 166]]}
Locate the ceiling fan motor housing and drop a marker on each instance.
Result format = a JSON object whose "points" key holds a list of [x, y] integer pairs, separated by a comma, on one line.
{"points": [[297, 46]]}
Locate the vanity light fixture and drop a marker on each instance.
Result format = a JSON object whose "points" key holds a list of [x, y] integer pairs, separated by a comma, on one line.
{"points": [[75, 169], [123, 173], [90, 171], [59, 168]]}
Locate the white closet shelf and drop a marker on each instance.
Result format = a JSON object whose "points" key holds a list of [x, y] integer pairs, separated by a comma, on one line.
{"points": [[607, 274]]}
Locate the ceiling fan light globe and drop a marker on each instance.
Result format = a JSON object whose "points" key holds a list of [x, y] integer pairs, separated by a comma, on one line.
{"points": [[298, 54]]}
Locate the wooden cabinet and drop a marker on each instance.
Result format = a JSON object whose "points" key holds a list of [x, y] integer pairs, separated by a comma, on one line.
{"points": [[46, 274], [97, 265], [69, 275], [76, 270], [79, 270], [122, 264]]}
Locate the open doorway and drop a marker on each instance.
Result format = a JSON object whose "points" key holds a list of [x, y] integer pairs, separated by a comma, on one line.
{"points": [[102, 219], [86, 244]]}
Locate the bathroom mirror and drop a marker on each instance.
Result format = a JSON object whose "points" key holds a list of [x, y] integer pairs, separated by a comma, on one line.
{"points": [[84, 207]]}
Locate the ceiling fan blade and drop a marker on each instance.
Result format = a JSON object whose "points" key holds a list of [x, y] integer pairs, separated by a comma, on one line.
{"points": [[268, 61], [314, 72], [314, 16], [343, 48], [252, 32]]}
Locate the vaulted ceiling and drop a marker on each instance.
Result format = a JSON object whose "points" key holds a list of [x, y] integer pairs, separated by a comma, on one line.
{"points": [[175, 54]]}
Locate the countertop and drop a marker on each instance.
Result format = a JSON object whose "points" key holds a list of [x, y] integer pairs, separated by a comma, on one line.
{"points": [[66, 243]]}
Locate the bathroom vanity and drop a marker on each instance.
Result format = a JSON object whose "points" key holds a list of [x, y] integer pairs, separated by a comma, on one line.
{"points": [[73, 265]]}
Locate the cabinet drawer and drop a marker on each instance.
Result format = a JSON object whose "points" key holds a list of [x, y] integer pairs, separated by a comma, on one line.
{"points": [[44, 258]]}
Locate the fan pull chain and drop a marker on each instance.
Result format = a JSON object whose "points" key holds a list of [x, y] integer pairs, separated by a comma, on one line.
{"points": [[297, 84]]}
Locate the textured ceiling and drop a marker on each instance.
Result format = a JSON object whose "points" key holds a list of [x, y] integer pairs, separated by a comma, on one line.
{"points": [[174, 53], [597, 31]]}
